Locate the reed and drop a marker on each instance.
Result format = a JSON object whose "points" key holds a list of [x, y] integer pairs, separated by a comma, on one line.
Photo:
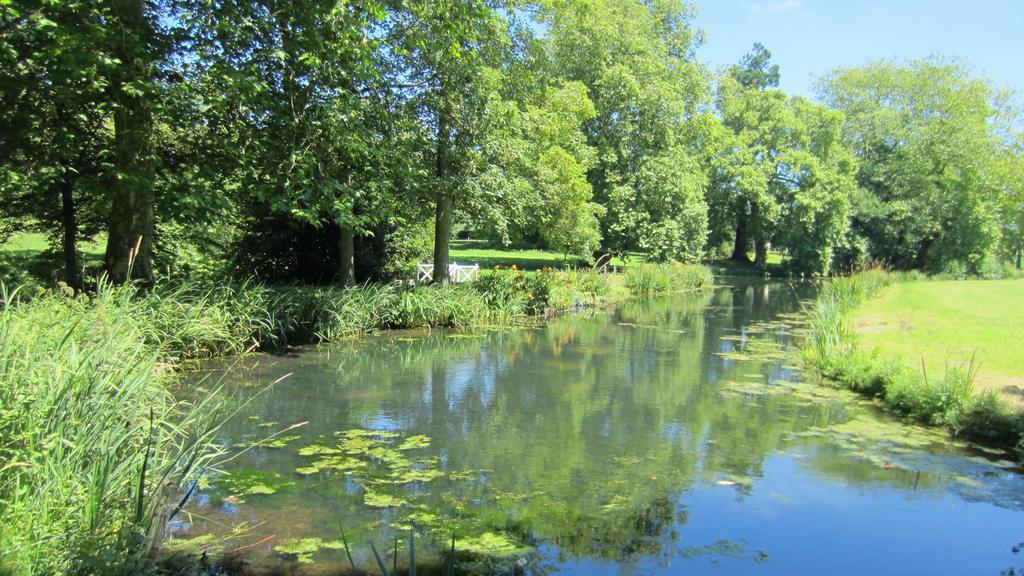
{"points": [[649, 279], [92, 444]]}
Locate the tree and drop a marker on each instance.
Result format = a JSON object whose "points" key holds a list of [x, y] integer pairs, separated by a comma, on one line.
{"points": [[297, 88], [539, 160], [1010, 183], [54, 134], [924, 134], [786, 174], [136, 48], [446, 59], [755, 70], [647, 88]]}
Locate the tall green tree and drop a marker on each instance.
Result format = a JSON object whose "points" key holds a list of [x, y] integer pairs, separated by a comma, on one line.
{"points": [[137, 48], [636, 59], [785, 173], [296, 87], [924, 133], [447, 61], [54, 134]]}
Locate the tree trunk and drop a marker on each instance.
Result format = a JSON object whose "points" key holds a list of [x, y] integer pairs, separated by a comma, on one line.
{"points": [[921, 258], [346, 255], [760, 253], [1020, 253], [130, 232], [69, 224], [739, 250], [443, 211], [442, 234]]}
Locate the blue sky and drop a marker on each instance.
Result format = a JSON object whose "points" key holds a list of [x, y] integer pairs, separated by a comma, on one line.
{"points": [[810, 37]]}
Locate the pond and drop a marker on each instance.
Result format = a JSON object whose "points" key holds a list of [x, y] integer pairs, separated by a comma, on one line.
{"points": [[670, 436]]}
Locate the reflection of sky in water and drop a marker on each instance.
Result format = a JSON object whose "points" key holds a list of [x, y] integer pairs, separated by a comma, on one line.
{"points": [[629, 445]]}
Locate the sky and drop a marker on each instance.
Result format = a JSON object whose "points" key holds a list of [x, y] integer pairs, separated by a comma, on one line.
{"points": [[810, 37]]}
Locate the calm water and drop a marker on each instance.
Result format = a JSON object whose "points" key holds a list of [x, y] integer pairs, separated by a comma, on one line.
{"points": [[672, 436]]}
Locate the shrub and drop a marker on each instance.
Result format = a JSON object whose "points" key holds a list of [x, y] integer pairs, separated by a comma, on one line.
{"points": [[986, 418]]}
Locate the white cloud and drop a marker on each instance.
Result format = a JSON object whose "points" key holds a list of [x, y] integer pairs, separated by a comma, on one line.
{"points": [[777, 6]]}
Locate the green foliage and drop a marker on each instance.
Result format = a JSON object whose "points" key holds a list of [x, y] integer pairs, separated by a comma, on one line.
{"points": [[928, 137], [781, 172], [92, 444], [646, 87]]}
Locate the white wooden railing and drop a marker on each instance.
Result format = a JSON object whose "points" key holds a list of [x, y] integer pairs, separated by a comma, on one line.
{"points": [[456, 272]]}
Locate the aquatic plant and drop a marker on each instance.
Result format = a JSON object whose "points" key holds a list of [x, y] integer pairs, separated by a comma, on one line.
{"points": [[647, 279], [92, 444]]}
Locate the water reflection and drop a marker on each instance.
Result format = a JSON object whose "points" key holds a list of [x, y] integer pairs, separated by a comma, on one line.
{"points": [[670, 436]]}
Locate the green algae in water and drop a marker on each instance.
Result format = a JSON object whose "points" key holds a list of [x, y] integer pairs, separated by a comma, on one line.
{"points": [[381, 500], [416, 475], [250, 482], [417, 441], [208, 542], [491, 544], [303, 549], [317, 449]]}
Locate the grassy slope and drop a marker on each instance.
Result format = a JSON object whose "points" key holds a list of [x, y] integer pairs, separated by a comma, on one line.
{"points": [[26, 255], [951, 321]]}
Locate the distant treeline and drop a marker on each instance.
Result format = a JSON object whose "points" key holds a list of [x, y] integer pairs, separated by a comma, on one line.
{"points": [[330, 141]]}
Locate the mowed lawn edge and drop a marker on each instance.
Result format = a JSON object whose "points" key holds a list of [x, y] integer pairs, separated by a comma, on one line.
{"points": [[951, 322]]}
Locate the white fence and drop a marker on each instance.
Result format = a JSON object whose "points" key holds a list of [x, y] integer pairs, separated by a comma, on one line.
{"points": [[456, 272]]}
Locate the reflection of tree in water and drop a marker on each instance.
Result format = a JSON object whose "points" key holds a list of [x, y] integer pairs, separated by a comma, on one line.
{"points": [[585, 433]]}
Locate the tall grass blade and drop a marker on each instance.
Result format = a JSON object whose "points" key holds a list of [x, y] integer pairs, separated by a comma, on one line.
{"points": [[380, 563], [344, 542]]}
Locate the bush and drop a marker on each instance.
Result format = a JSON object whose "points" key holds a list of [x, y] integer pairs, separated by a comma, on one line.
{"points": [[986, 418]]}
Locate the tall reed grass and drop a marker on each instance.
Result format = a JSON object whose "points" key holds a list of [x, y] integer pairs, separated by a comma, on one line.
{"points": [[648, 279], [92, 445], [830, 346]]}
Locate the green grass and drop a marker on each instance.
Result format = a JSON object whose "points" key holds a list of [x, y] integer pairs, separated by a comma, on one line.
{"points": [[647, 279], [27, 258], [952, 322], [93, 446], [480, 252], [944, 395]]}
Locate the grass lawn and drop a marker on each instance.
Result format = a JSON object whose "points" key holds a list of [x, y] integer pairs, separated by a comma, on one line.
{"points": [[34, 243], [27, 252], [942, 322], [478, 252]]}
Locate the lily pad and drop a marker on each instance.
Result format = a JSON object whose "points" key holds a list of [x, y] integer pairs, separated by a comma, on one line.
{"points": [[380, 500], [491, 544], [303, 549]]}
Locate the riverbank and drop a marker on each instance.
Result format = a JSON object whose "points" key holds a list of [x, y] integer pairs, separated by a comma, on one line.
{"points": [[841, 346], [93, 445]]}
